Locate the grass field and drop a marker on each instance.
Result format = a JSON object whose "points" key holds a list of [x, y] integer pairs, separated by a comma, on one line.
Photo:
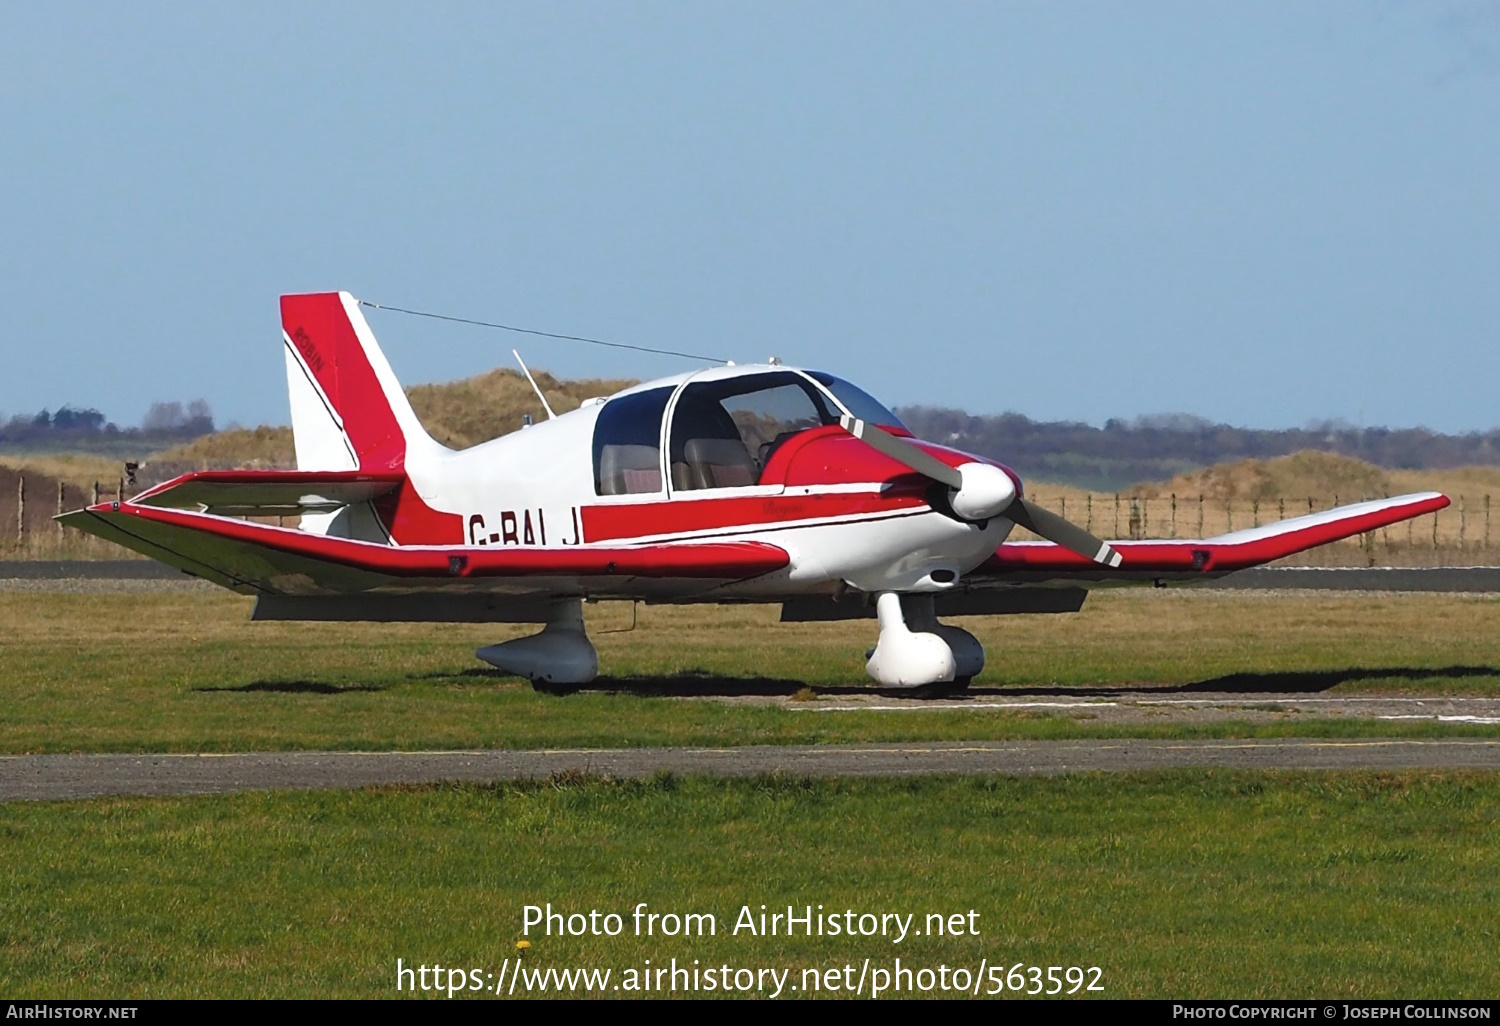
{"points": [[187, 671], [1174, 884], [1192, 884]]}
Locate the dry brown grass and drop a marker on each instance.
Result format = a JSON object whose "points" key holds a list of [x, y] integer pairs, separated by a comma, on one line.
{"points": [[264, 446], [1302, 473], [464, 413], [456, 413]]}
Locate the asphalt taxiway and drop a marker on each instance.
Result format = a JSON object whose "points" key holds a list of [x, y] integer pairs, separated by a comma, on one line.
{"points": [[55, 777]]}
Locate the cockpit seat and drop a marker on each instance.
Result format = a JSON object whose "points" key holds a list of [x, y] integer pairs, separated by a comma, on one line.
{"points": [[711, 453], [715, 463], [629, 469]]}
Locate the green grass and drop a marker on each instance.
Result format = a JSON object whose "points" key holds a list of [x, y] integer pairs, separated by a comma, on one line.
{"points": [[1185, 884], [189, 672]]}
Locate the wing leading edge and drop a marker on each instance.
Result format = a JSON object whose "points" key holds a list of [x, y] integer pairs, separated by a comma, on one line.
{"points": [[1162, 560], [255, 558]]}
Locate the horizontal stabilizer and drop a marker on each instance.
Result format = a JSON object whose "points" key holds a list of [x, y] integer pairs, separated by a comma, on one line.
{"points": [[269, 492]]}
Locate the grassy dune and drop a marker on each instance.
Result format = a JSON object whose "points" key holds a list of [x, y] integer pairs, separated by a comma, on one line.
{"points": [[457, 413], [1189, 884], [187, 671]]}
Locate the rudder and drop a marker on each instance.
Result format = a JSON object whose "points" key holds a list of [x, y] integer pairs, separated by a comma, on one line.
{"points": [[348, 410]]}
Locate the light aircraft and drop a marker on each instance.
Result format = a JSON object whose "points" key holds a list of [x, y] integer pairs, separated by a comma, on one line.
{"points": [[753, 483]]}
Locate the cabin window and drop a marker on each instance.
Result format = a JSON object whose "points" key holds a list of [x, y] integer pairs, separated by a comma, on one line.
{"points": [[724, 432], [627, 443]]}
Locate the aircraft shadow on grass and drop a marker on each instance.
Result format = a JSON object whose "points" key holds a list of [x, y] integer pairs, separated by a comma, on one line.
{"points": [[1274, 682], [296, 687], [699, 684], [1323, 680], [711, 685]]}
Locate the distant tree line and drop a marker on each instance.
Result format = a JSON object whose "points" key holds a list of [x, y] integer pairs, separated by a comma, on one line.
{"points": [[1159, 446], [163, 422]]}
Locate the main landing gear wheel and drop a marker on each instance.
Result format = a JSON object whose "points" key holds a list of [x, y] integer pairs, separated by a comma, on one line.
{"points": [[556, 661]]}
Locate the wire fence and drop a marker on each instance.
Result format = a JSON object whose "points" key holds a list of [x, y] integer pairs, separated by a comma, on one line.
{"points": [[30, 532], [1464, 534]]}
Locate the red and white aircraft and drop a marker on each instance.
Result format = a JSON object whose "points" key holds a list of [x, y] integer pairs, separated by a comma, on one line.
{"points": [[760, 483]]}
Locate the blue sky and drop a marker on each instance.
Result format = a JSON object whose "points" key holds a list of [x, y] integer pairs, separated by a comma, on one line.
{"points": [[1260, 213]]}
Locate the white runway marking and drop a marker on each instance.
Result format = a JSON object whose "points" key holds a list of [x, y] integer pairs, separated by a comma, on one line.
{"points": [[918, 705]]}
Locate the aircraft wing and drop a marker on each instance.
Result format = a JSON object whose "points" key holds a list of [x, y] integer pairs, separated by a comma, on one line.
{"points": [[269, 492], [263, 559], [1040, 562]]}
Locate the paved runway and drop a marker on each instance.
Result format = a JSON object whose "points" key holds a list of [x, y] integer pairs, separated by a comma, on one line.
{"points": [[52, 777]]}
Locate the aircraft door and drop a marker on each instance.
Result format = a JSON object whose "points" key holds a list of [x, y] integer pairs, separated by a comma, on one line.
{"points": [[724, 432]]}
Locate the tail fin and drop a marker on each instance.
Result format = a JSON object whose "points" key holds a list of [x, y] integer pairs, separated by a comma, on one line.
{"points": [[348, 410]]}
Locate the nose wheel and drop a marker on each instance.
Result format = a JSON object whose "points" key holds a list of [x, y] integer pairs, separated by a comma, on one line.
{"points": [[915, 650]]}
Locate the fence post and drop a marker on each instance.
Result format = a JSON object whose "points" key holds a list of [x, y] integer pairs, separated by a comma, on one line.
{"points": [[20, 509], [60, 503], [1145, 519], [1463, 523], [1434, 530], [1228, 517], [1088, 505], [1200, 514], [1063, 507], [1254, 512], [1117, 516], [1174, 514], [1486, 520]]}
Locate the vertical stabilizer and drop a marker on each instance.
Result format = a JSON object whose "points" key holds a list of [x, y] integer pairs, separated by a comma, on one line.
{"points": [[348, 409], [349, 413]]}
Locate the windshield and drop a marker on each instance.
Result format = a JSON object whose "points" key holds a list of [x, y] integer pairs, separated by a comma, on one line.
{"points": [[857, 401]]}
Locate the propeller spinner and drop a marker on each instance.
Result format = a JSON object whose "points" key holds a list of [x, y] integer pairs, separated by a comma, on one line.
{"points": [[978, 491]]}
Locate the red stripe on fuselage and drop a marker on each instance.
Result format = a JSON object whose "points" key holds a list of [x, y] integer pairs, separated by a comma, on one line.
{"points": [[619, 521]]}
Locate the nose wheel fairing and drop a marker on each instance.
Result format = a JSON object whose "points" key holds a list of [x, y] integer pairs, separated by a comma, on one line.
{"points": [[914, 649]]}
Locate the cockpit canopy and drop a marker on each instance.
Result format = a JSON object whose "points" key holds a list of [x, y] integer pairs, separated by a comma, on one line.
{"points": [[724, 430]]}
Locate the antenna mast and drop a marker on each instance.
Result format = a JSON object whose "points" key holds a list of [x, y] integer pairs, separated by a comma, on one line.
{"points": [[534, 386]]}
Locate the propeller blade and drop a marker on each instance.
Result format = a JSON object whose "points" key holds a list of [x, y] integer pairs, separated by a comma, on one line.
{"points": [[1036, 519], [903, 452], [1047, 524]]}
